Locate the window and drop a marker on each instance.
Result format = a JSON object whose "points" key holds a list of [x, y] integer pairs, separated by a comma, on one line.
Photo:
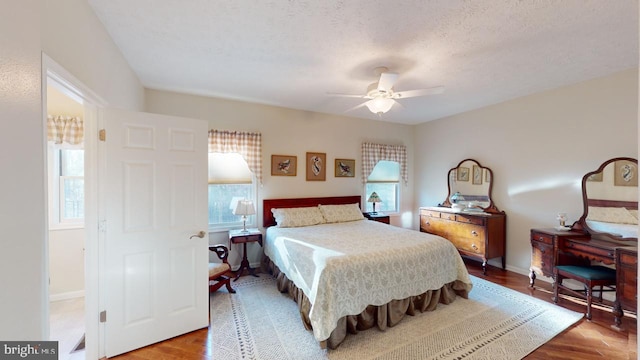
{"points": [[385, 181], [230, 180], [67, 186]]}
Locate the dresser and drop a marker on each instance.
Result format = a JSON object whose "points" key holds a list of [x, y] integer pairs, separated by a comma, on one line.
{"points": [[544, 254], [480, 236], [626, 282]]}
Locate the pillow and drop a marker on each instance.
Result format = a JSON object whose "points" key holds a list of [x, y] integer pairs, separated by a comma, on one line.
{"points": [[341, 213], [297, 217], [634, 213], [618, 215]]}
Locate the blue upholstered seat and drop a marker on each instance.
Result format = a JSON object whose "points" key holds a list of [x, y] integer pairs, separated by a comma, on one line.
{"points": [[590, 272]]}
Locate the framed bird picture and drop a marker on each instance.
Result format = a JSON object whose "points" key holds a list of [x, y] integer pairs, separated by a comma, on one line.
{"points": [[345, 168], [284, 165], [316, 166]]}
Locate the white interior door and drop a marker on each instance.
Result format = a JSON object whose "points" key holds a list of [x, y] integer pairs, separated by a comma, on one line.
{"points": [[156, 200]]}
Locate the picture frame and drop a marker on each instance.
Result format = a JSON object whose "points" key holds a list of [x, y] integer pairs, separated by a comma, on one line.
{"points": [[316, 166], [463, 173], [476, 178], [345, 168], [625, 173], [284, 165]]}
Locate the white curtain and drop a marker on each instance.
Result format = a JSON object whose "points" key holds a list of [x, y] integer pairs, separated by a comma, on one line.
{"points": [[372, 153]]}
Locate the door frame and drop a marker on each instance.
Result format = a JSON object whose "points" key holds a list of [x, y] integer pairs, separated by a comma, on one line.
{"points": [[94, 215]]}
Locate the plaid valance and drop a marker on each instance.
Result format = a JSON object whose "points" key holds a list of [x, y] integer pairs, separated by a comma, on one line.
{"points": [[64, 129], [372, 153], [247, 144]]}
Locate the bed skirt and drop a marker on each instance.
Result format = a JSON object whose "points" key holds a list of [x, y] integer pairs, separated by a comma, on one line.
{"points": [[383, 316]]}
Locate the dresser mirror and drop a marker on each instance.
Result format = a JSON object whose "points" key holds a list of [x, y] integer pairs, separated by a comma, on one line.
{"points": [[470, 187], [610, 201]]}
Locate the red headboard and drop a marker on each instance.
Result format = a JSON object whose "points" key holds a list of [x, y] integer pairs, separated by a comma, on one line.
{"points": [[268, 204]]}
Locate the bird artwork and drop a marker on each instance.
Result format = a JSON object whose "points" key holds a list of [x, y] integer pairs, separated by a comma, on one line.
{"points": [[316, 166], [345, 170], [284, 166]]}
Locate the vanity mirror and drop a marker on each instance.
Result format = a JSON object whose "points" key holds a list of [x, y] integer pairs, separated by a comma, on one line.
{"points": [[470, 187], [610, 201]]}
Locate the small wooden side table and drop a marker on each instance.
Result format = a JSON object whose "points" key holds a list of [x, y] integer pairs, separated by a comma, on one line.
{"points": [[379, 217], [244, 237]]}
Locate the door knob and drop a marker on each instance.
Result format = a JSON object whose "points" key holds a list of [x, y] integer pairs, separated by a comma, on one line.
{"points": [[201, 234]]}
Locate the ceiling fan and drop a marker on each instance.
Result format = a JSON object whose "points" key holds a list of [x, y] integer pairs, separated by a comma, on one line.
{"points": [[381, 94]]}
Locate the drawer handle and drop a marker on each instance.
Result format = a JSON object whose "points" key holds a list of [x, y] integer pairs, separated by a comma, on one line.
{"points": [[474, 246], [542, 251], [474, 233]]}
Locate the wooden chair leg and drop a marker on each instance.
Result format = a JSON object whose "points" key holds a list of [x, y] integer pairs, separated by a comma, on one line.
{"points": [[228, 285], [589, 301]]}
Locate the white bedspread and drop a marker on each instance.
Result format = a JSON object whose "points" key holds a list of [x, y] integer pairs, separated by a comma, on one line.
{"points": [[344, 267]]}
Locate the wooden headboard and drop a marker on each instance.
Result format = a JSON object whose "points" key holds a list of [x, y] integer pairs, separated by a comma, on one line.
{"points": [[268, 204], [630, 205]]}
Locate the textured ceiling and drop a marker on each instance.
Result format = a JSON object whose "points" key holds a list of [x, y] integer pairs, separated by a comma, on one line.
{"points": [[291, 53]]}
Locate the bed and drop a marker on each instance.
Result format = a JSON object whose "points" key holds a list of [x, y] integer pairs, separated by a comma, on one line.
{"points": [[349, 274]]}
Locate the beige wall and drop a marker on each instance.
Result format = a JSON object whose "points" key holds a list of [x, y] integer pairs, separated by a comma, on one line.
{"points": [[66, 263], [538, 147], [68, 32], [294, 132]]}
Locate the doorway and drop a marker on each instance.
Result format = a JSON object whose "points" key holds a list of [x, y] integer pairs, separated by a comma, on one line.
{"points": [[79, 247]]}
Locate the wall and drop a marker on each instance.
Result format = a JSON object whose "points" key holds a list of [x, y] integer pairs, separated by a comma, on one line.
{"points": [[294, 132], [538, 147], [69, 32]]}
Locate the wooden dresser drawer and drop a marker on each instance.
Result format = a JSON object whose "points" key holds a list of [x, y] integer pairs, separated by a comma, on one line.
{"points": [[628, 259], [468, 237], [470, 219], [582, 249], [429, 213], [544, 238]]}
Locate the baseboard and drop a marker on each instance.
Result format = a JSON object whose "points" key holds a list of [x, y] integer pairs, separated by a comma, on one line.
{"points": [[66, 295]]}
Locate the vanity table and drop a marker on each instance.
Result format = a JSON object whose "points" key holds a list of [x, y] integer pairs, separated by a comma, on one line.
{"points": [[597, 236], [468, 218]]}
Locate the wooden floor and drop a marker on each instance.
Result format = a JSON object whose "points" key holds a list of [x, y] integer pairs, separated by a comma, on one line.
{"points": [[585, 340]]}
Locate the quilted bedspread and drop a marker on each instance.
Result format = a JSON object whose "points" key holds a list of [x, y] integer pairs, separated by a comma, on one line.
{"points": [[343, 267]]}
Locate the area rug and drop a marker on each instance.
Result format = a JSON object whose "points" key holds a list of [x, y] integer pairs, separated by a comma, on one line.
{"points": [[260, 323]]}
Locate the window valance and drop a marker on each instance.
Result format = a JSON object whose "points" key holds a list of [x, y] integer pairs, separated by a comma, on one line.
{"points": [[372, 153], [247, 144], [65, 129]]}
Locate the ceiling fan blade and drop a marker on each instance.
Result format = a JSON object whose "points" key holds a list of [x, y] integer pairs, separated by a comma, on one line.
{"points": [[387, 79], [356, 107], [347, 95], [418, 92]]}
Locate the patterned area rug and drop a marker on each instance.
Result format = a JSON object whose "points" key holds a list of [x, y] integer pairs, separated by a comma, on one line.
{"points": [[258, 322]]}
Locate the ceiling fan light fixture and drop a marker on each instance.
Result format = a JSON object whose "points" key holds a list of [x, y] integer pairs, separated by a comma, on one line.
{"points": [[380, 105]]}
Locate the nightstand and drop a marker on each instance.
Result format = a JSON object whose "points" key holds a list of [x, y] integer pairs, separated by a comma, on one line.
{"points": [[244, 237], [379, 217]]}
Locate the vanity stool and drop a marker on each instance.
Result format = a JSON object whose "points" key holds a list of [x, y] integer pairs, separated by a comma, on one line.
{"points": [[590, 276]]}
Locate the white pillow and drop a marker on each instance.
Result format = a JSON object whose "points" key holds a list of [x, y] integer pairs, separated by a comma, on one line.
{"points": [[341, 213], [634, 213], [618, 215], [297, 217]]}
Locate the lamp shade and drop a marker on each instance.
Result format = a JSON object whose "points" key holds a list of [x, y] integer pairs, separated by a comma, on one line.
{"points": [[379, 105], [244, 207], [374, 198]]}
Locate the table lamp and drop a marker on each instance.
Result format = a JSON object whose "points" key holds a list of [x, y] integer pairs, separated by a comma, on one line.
{"points": [[374, 198], [244, 208]]}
